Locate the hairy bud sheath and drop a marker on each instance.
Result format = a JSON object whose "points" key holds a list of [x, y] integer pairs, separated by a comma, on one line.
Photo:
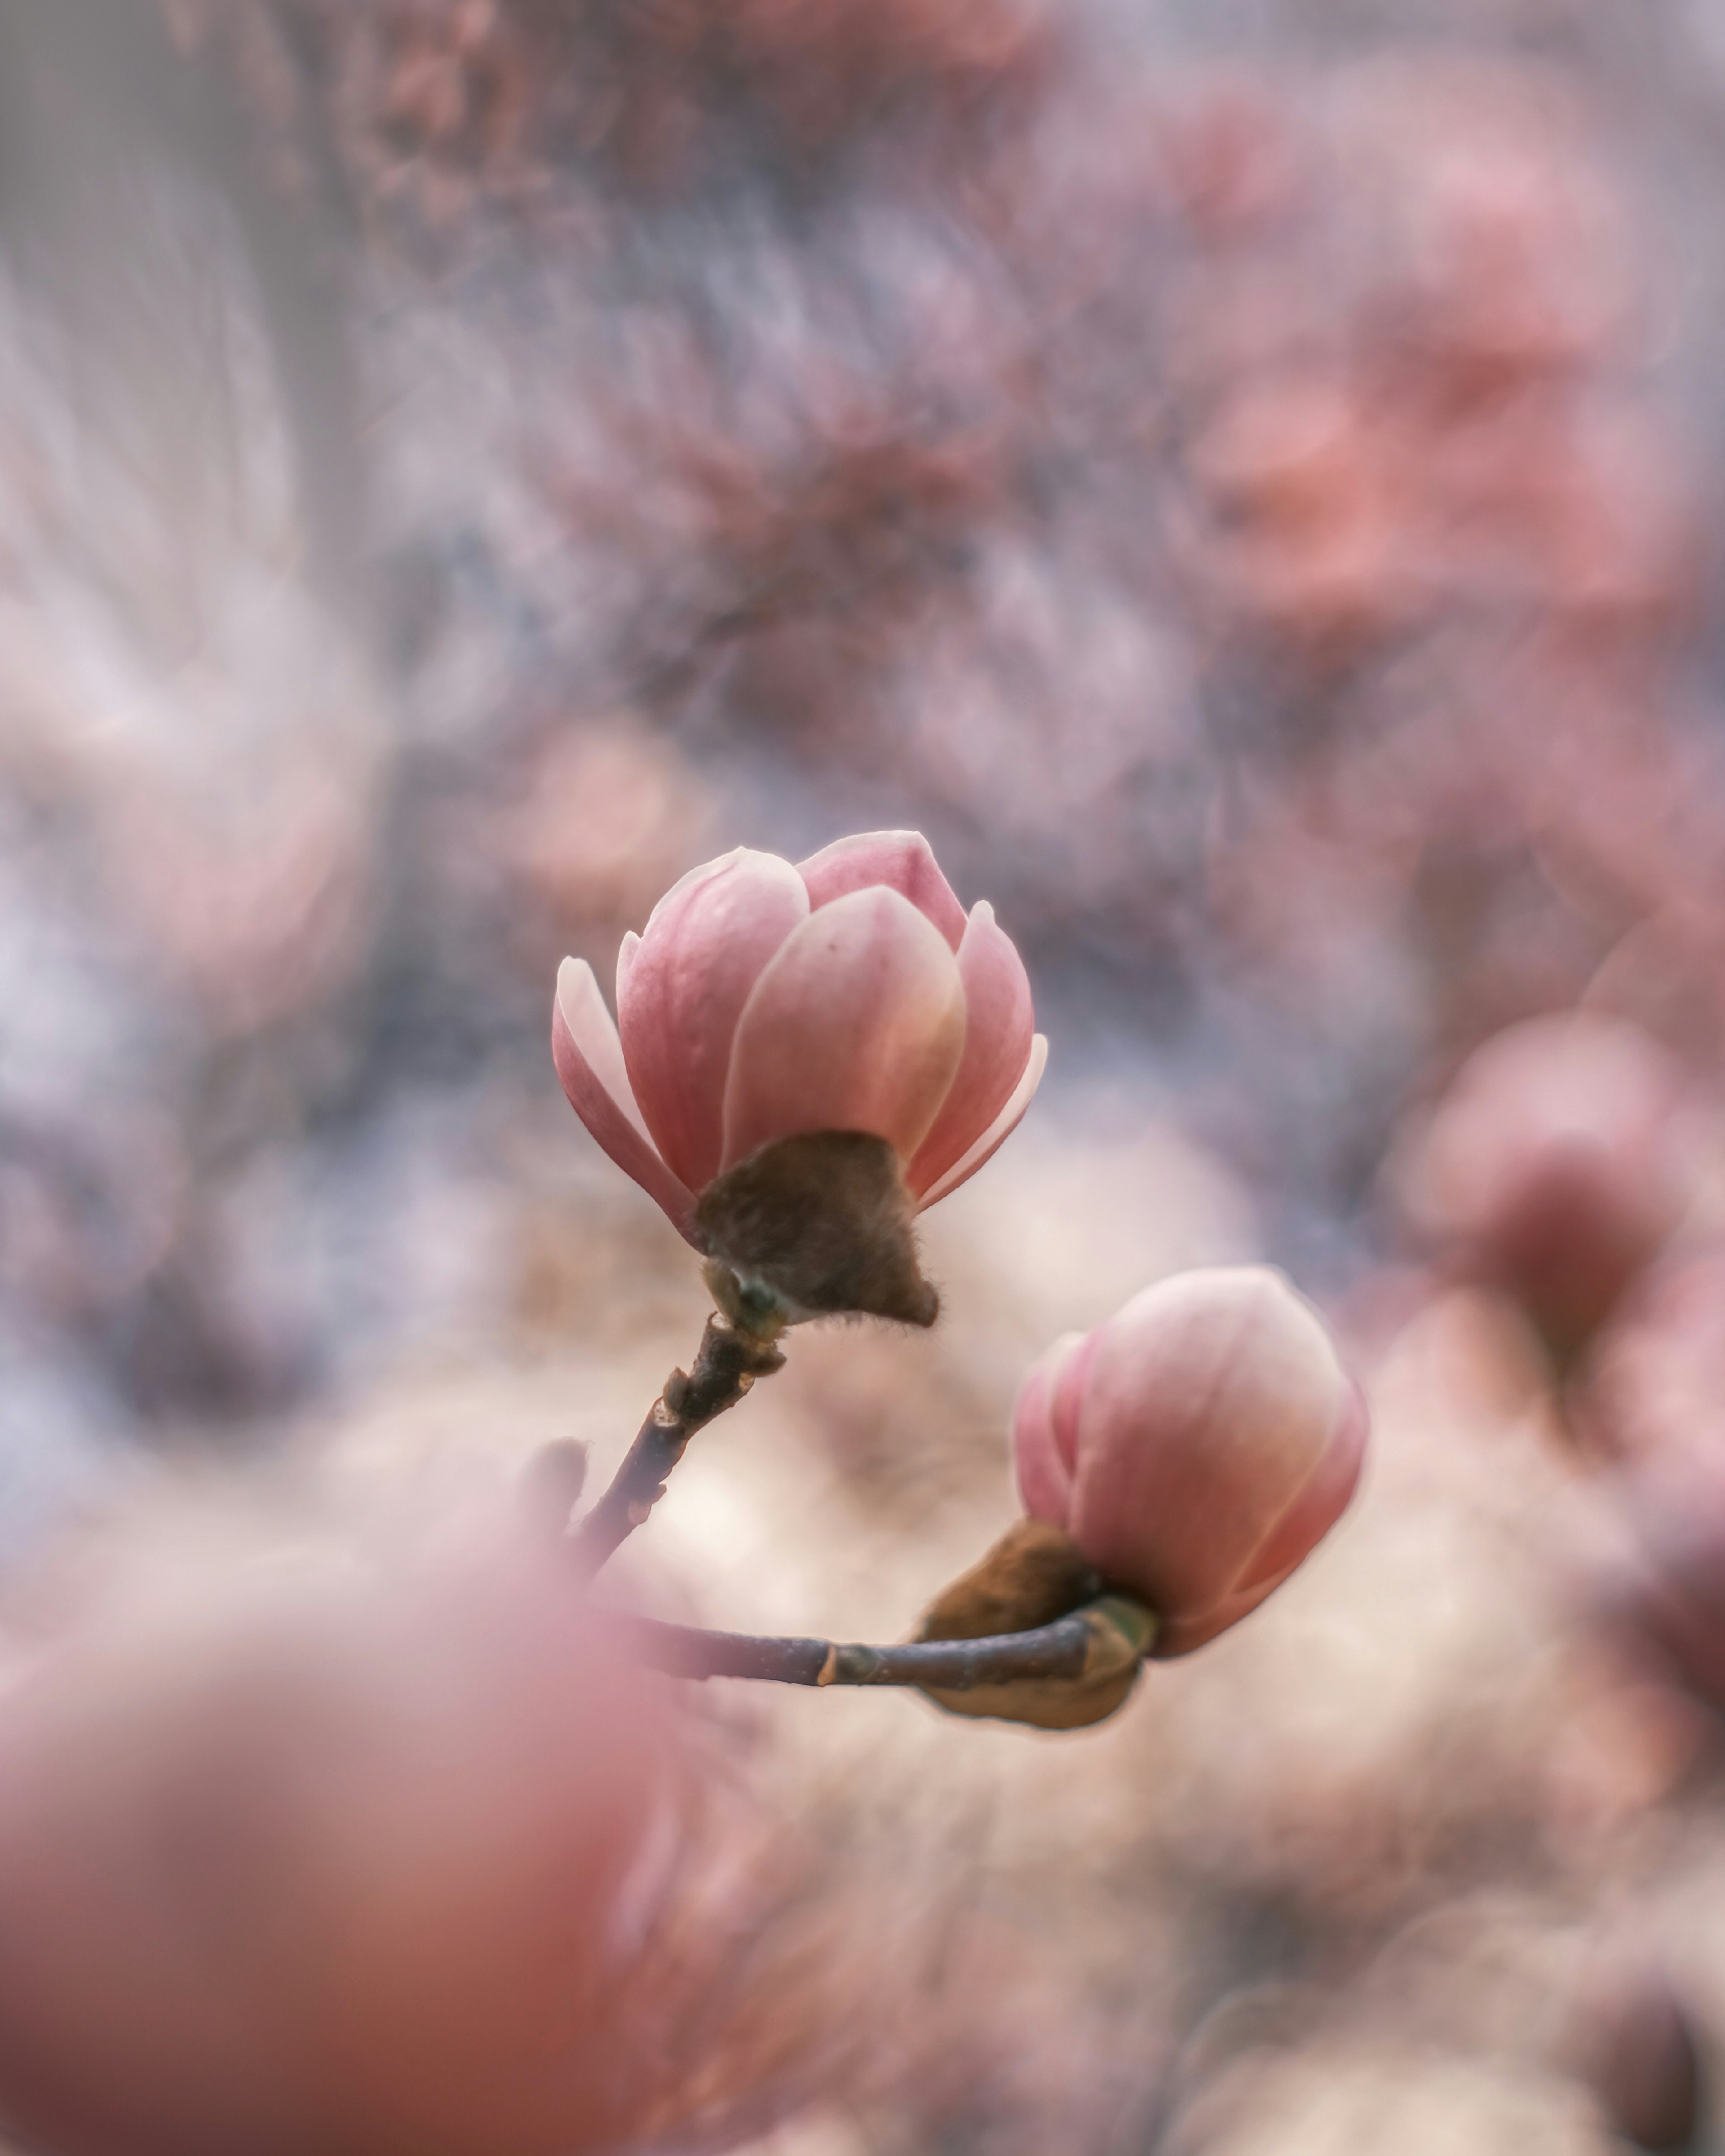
{"points": [[1032, 1575], [849, 996], [1196, 1447]]}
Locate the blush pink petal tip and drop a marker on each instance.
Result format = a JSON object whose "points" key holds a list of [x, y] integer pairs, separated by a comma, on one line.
{"points": [[588, 1055], [902, 861]]}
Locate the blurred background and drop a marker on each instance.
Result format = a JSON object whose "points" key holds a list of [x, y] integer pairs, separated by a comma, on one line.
{"points": [[1248, 481]]}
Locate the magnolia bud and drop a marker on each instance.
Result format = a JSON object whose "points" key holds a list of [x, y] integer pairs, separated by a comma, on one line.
{"points": [[1554, 1167], [1196, 1446], [850, 995]]}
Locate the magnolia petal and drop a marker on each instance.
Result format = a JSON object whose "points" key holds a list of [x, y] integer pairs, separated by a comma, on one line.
{"points": [[1066, 1397], [1315, 1509], [589, 1062], [997, 1132], [626, 959], [685, 988], [1042, 1455], [903, 860], [856, 1024], [1179, 1635], [1213, 1398], [1320, 1501], [997, 1031], [690, 877]]}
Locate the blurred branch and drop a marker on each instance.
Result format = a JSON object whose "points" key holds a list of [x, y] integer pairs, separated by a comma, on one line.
{"points": [[1062, 1649], [728, 1362]]}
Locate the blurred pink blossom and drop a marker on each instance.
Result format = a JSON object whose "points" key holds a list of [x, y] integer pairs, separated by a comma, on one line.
{"points": [[1197, 1447], [1554, 1166], [850, 992], [1652, 1393], [319, 1846]]}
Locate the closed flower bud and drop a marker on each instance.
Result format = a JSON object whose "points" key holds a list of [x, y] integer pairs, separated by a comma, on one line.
{"points": [[851, 996], [1554, 1166], [1195, 1447]]}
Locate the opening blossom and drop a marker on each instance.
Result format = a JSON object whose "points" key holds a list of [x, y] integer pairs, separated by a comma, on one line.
{"points": [[850, 992], [1196, 1446]]}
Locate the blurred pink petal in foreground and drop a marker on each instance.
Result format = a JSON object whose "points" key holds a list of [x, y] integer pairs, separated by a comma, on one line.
{"points": [[764, 1001], [1555, 1167], [302, 1849], [1196, 1447]]}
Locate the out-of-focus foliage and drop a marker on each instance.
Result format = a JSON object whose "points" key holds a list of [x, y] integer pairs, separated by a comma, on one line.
{"points": [[1248, 483]]}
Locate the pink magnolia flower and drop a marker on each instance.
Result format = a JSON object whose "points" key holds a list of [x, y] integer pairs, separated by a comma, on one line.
{"points": [[1196, 1446], [850, 992]]}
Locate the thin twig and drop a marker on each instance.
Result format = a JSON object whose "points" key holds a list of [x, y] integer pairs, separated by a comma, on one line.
{"points": [[1059, 1650], [728, 1362]]}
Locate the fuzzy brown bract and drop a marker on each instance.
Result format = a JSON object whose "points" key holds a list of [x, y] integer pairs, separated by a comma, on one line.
{"points": [[1032, 1575], [823, 1221]]}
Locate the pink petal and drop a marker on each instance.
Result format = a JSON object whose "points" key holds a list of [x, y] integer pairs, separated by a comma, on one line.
{"points": [[685, 988], [997, 1029], [902, 861], [589, 1060], [1066, 1398], [1211, 1403], [1044, 1453], [1181, 1635], [1316, 1507], [856, 1024], [1313, 1513], [626, 959], [690, 877], [997, 1132]]}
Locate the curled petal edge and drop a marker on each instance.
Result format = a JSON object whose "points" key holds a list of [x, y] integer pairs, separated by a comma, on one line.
{"points": [[997, 1132], [998, 1024], [588, 1055]]}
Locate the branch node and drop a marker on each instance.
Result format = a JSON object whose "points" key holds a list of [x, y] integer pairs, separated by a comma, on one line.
{"points": [[729, 1360], [855, 1665]]}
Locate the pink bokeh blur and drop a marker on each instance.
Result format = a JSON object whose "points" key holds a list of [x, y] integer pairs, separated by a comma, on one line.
{"points": [[1248, 483]]}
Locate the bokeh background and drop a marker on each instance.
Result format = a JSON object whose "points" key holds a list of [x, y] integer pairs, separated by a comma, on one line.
{"points": [[1248, 481]]}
